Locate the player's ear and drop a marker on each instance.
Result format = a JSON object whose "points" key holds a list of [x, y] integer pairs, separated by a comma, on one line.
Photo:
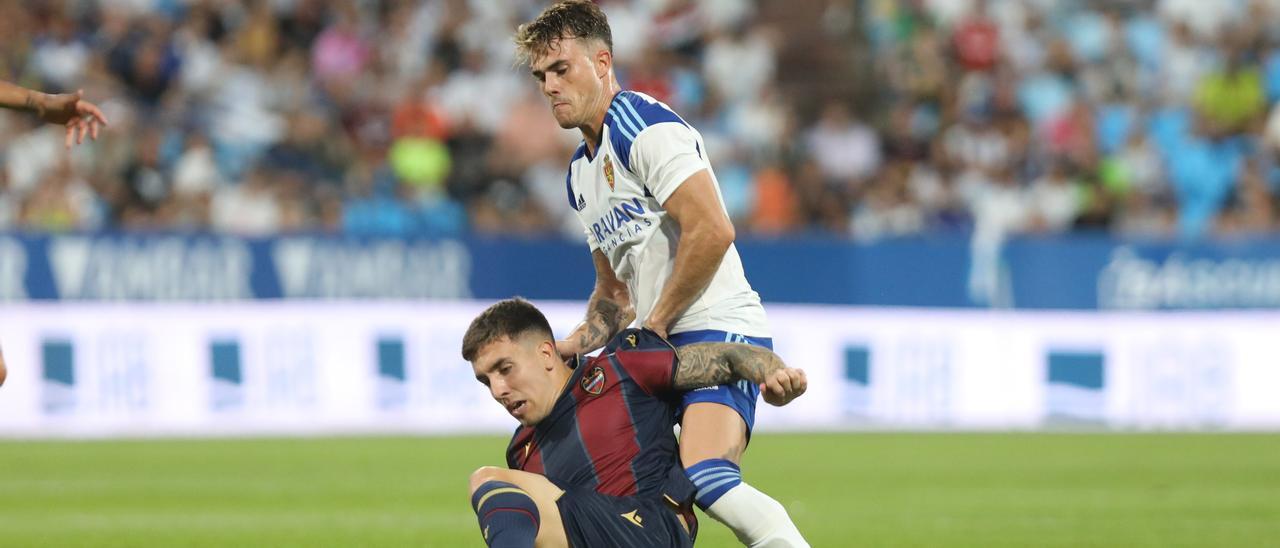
{"points": [[603, 62], [550, 356]]}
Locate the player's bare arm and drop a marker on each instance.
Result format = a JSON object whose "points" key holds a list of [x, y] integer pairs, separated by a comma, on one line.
{"points": [[80, 117], [705, 235], [609, 311], [709, 364], [3, 372]]}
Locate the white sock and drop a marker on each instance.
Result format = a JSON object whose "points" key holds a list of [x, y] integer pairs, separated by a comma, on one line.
{"points": [[756, 519]]}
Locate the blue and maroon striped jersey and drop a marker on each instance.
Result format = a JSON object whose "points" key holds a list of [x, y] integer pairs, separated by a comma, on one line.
{"points": [[611, 429]]}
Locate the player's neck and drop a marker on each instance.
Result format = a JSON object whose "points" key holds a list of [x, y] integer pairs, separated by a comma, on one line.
{"points": [[564, 382], [593, 132]]}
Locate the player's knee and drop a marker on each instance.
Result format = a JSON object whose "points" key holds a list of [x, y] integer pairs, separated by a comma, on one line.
{"points": [[486, 474]]}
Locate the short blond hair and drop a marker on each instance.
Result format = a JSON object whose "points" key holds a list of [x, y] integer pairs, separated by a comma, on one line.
{"points": [[576, 19]]}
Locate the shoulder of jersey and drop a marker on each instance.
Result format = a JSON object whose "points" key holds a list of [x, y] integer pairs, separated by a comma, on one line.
{"points": [[637, 339], [629, 114]]}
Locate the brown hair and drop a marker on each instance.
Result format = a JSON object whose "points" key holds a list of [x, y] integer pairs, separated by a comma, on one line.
{"points": [[510, 318], [578, 19]]}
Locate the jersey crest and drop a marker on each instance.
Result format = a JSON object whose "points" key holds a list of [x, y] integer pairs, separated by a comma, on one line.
{"points": [[608, 172], [593, 381]]}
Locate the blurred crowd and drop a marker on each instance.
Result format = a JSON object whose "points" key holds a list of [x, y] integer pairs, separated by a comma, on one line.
{"points": [[1145, 118]]}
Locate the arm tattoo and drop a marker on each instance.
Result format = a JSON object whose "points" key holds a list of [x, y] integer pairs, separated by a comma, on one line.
{"points": [[709, 364], [604, 320]]}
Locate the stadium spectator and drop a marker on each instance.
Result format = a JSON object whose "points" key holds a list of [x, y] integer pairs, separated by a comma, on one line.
{"points": [[977, 39], [206, 94]]}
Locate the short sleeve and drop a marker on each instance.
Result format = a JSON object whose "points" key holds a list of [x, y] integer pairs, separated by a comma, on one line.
{"points": [[648, 359], [575, 200], [591, 239], [665, 155]]}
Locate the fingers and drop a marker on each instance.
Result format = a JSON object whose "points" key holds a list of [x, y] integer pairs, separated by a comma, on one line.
{"points": [[660, 331], [774, 387], [784, 385], [85, 108], [86, 122], [79, 128], [799, 381], [76, 131]]}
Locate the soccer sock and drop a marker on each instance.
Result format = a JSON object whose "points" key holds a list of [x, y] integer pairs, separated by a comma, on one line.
{"points": [[754, 517], [713, 478], [508, 516]]}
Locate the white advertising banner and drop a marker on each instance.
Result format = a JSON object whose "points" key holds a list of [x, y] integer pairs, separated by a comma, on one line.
{"points": [[288, 367]]}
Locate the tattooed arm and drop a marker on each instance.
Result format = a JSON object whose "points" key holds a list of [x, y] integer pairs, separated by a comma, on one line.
{"points": [[608, 311], [709, 364]]}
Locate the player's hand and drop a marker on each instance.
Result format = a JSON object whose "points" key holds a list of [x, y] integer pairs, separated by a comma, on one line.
{"points": [[651, 326], [567, 349], [3, 372], [783, 386], [80, 117]]}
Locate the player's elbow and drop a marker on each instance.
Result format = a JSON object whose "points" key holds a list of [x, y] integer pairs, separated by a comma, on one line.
{"points": [[725, 233], [718, 234]]}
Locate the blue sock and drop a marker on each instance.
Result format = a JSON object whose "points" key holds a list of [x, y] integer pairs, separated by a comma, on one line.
{"points": [[508, 517], [713, 478]]}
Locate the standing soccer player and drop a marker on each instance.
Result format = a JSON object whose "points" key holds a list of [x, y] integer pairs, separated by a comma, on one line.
{"points": [[594, 460], [662, 245], [80, 117]]}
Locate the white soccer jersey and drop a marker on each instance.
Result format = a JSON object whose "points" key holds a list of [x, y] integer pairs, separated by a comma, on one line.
{"points": [[645, 153]]}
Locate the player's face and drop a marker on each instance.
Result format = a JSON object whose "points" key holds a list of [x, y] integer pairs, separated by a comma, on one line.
{"points": [[522, 375], [571, 74]]}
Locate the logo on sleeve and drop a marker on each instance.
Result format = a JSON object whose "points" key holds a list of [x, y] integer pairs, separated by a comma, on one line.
{"points": [[608, 171], [632, 339], [593, 381]]}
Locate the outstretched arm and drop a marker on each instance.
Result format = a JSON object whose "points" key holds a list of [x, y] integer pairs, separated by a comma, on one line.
{"points": [[80, 117], [609, 311], [709, 364]]}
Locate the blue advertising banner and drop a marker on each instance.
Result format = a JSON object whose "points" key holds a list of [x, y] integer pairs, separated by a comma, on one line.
{"points": [[1098, 272], [1077, 272]]}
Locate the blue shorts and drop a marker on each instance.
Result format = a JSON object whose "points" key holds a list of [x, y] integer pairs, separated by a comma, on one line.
{"points": [[740, 396]]}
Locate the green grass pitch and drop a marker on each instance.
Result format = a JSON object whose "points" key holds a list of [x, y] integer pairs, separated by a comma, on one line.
{"points": [[842, 490]]}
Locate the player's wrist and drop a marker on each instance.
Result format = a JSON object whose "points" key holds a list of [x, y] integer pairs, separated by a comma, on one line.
{"points": [[36, 102], [657, 324]]}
